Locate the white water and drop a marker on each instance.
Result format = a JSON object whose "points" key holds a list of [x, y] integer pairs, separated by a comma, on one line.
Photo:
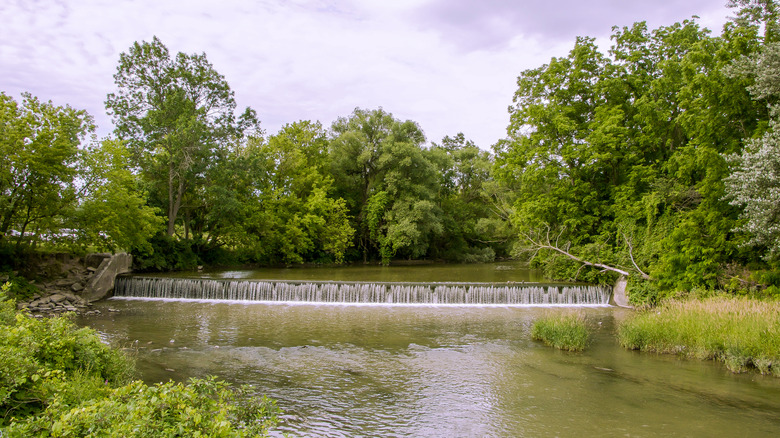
{"points": [[378, 293]]}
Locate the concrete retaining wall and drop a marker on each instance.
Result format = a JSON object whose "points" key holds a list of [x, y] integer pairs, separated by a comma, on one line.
{"points": [[102, 283]]}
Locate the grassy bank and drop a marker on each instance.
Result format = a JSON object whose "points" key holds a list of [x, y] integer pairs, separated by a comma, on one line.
{"points": [[564, 331], [742, 333]]}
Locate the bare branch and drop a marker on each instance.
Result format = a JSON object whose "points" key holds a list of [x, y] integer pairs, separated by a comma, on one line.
{"points": [[631, 255]]}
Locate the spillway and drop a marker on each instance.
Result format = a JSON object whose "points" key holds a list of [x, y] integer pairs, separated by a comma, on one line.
{"points": [[377, 293]]}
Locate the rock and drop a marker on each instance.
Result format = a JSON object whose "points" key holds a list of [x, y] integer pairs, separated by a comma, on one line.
{"points": [[77, 287], [39, 302], [56, 298], [62, 283]]}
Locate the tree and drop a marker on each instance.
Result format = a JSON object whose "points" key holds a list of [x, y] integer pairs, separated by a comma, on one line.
{"points": [[388, 181], [754, 182], [472, 230], [174, 113], [39, 165], [291, 214], [113, 213], [621, 157]]}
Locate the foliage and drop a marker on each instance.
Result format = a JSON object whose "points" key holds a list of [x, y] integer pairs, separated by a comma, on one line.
{"points": [[388, 182], [176, 114], [754, 182], [202, 407], [165, 253], [620, 157], [564, 331], [113, 214], [41, 358], [291, 215], [59, 380], [742, 333], [39, 166]]}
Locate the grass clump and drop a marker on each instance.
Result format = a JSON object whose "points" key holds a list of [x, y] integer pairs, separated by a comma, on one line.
{"points": [[742, 333], [564, 331]]}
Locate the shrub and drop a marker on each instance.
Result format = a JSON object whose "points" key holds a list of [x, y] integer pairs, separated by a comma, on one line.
{"points": [[42, 358], [202, 407], [564, 331], [60, 380]]}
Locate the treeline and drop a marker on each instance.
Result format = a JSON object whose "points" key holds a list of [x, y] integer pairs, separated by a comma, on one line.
{"points": [[656, 160], [187, 180]]}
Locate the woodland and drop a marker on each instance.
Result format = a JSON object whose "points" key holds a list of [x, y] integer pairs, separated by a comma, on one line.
{"points": [[657, 159]]}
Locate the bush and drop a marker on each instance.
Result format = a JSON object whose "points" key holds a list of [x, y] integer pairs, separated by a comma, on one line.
{"points": [[742, 333], [42, 358], [564, 331], [60, 380], [204, 407]]}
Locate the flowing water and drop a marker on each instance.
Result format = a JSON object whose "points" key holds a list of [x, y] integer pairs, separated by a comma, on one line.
{"points": [[438, 371]]}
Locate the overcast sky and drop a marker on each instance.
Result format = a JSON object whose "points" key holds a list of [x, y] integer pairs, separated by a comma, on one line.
{"points": [[450, 65]]}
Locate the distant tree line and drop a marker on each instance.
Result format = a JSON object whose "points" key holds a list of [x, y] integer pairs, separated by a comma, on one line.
{"points": [[656, 160]]}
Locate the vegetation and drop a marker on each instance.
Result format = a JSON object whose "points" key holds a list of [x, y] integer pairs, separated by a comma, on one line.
{"points": [[60, 380], [619, 162], [564, 331], [742, 333], [654, 159]]}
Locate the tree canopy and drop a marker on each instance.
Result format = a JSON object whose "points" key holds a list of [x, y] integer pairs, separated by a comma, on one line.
{"points": [[654, 159]]}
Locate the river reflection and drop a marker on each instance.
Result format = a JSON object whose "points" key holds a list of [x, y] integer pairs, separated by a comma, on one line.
{"points": [[435, 371]]}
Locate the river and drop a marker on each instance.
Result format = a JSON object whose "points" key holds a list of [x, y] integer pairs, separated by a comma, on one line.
{"points": [[436, 371]]}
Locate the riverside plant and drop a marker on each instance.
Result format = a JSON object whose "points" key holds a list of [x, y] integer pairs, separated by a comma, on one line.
{"points": [[742, 333], [564, 331]]}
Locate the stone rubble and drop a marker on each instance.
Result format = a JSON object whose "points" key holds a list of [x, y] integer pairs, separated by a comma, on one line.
{"points": [[61, 295]]}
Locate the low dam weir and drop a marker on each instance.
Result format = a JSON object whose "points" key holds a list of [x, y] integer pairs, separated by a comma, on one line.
{"points": [[362, 293]]}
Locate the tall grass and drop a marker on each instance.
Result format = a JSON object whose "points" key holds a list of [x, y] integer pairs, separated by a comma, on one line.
{"points": [[742, 333], [564, 331]]}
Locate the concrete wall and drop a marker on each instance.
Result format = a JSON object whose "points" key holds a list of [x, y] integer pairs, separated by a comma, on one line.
{"points": [[102, 283], [619, 296]]}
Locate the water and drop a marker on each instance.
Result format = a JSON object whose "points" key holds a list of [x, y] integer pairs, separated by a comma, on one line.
{"points": [[450, 294], [505, 283], [438, 371]]}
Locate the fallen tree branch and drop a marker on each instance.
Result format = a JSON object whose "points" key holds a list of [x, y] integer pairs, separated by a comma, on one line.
{"points": [[539, 244]]}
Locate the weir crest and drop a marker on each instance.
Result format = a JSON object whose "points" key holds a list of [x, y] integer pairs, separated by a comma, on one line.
{"points": [[383, 293]]}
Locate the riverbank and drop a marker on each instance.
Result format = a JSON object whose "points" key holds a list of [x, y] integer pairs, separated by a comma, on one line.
{"points": [[742, 333]]}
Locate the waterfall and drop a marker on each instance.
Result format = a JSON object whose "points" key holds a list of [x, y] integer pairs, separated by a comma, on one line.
{"points": [[497, 294]]}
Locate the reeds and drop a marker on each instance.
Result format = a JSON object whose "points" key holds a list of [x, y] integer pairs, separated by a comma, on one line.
{"points": [[742, 333], [564, 331]]}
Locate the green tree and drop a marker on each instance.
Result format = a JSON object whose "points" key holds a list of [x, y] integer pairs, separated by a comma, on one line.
{"points": [[39, 165], [388, 181], [176, 114], [113, 213], [473, 231], [618, 161], [292, 216]]}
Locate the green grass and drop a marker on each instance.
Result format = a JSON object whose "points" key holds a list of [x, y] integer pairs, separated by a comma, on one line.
{"points": [[742, 333], [564, 331]]}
